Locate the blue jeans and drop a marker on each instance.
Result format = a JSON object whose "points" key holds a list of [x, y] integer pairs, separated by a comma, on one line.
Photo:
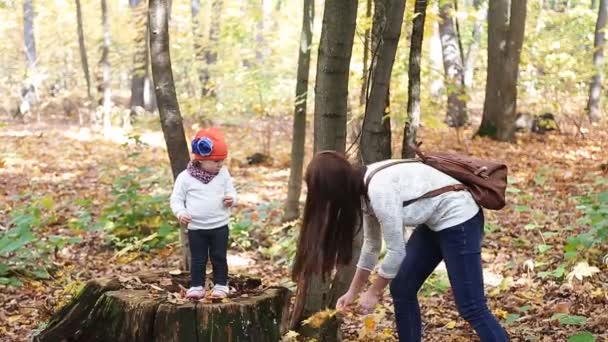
{"points": [[460, 248], [209, 243]]}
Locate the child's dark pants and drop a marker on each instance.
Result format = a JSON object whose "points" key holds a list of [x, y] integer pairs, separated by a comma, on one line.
{"points": [[212, 243]]}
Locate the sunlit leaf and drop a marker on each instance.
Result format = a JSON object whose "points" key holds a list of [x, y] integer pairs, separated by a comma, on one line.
{"points": [[583, 336]]}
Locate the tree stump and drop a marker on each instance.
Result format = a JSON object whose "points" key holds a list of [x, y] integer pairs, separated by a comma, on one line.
{"points": [[147, 307]]}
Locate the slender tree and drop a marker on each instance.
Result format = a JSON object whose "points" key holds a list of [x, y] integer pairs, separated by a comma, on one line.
{"points": [[595, 88], [82, 48], [473, 49], [292, 205], [331, 95], [506, 27], [413, 90], [141, 86], [260, 34], [104, 62], [28, 34], [376, 131], [452, 64], [331, 88], [366, 53], [28, 92], [210, 49], [199, 45], [170, 117]]}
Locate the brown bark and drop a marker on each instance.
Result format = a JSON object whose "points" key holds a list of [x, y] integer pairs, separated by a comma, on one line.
{"points": [[292, 205], [82, 48], [456, 115], [595, 88], [170, 117], [506, 28], [376, 130], [333, 66], [413, 92]]}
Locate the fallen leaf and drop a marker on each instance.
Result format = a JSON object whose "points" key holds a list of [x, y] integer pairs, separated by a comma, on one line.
{"points": [[563, 307], [581, 270], [319, 318]]}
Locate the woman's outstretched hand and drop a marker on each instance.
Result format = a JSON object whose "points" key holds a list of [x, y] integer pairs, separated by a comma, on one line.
{"points": [[368, 300], [345, 301]]}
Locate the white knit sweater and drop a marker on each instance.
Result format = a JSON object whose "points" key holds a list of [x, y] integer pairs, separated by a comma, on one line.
{"points": [[204, 202], [387, 190]]}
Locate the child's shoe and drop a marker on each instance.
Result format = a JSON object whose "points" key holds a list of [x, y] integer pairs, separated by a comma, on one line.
{"points": [[195, 293], [219, 292]]}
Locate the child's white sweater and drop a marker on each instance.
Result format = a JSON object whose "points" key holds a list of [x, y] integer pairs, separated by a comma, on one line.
{"points": [[387, 190], [204, 202]]}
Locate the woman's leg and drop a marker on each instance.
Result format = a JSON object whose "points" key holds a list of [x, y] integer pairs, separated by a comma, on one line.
{"points": [[218, 248], [199, 249], [461, 250], [422, 254]]}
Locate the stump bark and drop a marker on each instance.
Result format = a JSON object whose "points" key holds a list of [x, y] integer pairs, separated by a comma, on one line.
{"points": [[110, 310]]}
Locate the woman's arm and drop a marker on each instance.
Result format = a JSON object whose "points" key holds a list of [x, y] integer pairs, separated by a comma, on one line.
{"points": [[372, 244], [368, 258], [388, 211]]}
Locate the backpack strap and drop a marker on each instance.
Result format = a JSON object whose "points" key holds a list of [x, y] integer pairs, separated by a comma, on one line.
{"points": [[368, 178], [384, 166], [436, 192], [432, 193]]}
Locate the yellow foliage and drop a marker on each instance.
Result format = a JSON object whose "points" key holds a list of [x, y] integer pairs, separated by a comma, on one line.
{"points": [[319, 318], [450, 325], [290, 336], [500, 313], [369, 323]]}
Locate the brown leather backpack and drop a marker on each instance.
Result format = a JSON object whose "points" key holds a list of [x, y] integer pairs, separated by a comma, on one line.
{"points": [[486, 180]]}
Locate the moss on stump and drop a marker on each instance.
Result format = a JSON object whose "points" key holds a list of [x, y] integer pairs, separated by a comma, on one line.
{"points": [[106, 310]]}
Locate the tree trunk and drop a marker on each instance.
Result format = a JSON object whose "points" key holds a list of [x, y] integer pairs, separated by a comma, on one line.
{"points": [[473, 50], [595, 89], [28, 92], [260, 40], [170, 117], [452, 64], [28, 34], [83, 50], [437, 84], [199, 46], [208, 89], [376, 130], [140, 56], [292, 205], [505, 39], [150, 310], [331, 88], [150, 103], [366, 54], [413, 92], [331, 97], [105, 87]]}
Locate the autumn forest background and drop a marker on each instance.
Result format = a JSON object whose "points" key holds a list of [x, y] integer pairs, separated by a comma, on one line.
{"points": [[100, 99]]}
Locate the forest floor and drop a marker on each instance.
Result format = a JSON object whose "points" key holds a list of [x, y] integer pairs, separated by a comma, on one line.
{"points": [[523, 246]]}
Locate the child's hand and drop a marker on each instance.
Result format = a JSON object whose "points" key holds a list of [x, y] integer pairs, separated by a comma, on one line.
{"points": [[184, 219], [228, 201]]}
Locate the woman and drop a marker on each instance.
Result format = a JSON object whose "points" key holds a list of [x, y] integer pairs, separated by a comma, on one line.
{"points": [[449, 227]]}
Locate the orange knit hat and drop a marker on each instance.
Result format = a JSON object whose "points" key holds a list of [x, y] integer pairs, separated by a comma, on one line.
{"points": [[209, 144]]}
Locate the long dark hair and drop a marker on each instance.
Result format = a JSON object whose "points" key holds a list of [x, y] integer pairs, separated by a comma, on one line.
{"points": [[332, 214]]}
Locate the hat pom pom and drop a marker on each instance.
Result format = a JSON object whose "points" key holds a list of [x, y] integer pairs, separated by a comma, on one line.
{"points": [[202, 147]]}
